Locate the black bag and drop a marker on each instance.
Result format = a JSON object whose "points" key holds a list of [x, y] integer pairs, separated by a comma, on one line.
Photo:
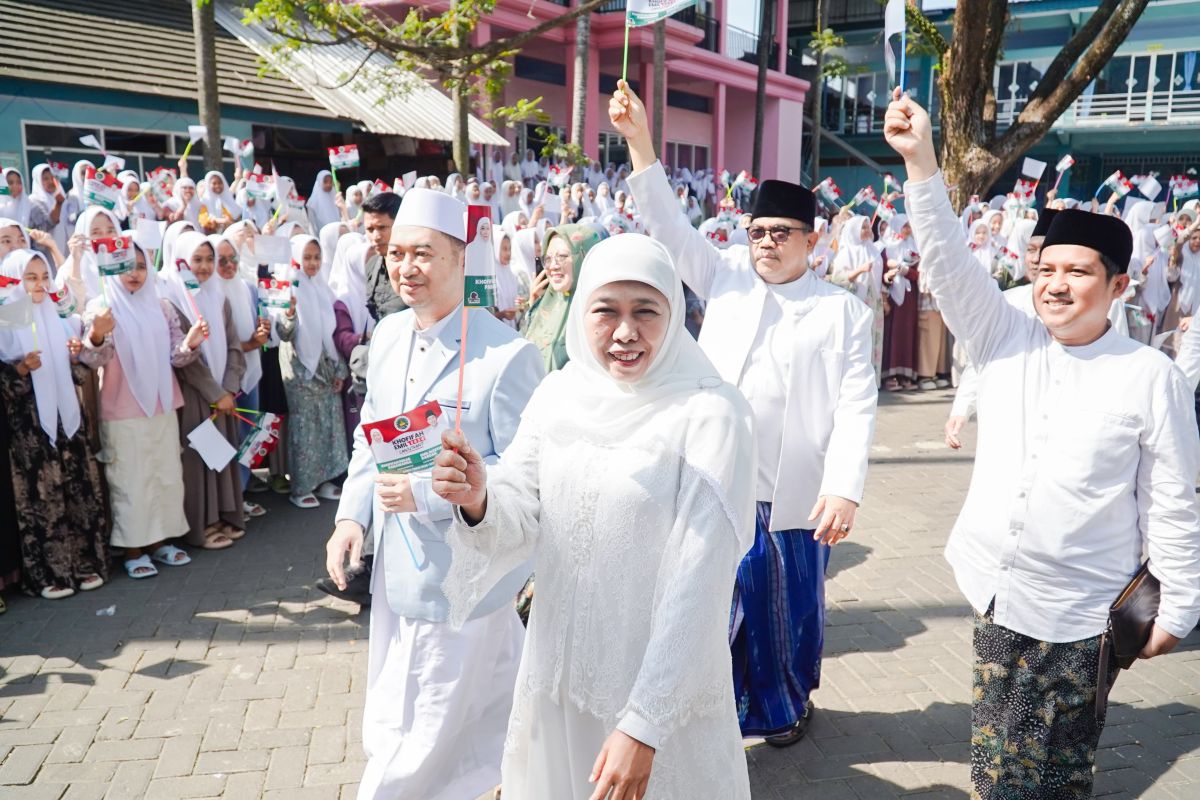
{"points": [[1130, 621]]}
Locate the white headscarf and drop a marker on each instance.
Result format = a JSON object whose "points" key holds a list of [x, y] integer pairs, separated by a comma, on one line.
{"points": [[507, 286], [44, 200], [328, 240], [87, 267], [259, 213], [143, 341], [241, 304], [524, 243], [985, 254], [53, 386], [454, 187], [348, 279], [1018, 243], [1156, 292], [1189, 280], [191, 211], [218, 204], [679, 403], [78, 179], [172, 233], [321, 203], [315, 320], [16, 207], [209, 300], [853, 252]]}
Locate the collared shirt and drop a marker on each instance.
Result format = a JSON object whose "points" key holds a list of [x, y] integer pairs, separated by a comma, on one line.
{"points": [[421, 484], [1086, 457]]}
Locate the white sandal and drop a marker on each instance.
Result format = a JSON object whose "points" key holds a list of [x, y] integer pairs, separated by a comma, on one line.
{"points": [[57, 592], [142, 562], [329, 491], [91, 582], [171, 555], [304, 501]]}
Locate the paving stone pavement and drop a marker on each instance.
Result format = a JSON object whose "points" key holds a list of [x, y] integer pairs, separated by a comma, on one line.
{"points": [[234, 678]]}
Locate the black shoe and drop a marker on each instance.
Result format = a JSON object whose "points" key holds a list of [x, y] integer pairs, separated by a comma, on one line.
{"points": [[358, 584], [796, 733]]}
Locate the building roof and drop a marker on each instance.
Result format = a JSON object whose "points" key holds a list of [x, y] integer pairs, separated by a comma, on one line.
{"points": [[147, 47], [349, 81], [113, 46]]}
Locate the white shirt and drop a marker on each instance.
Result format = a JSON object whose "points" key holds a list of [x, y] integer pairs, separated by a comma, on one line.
{"points": [[1086, 455], [419, 362]]}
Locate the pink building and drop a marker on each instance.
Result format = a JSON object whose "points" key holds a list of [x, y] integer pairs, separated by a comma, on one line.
{"points": [[711, 74]]}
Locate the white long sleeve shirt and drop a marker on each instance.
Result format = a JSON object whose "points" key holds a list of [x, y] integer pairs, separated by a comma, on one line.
{"points": [[1086, 458]]}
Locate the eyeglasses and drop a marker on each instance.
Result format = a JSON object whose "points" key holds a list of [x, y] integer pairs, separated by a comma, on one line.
{"points": [[562, 259], [779, 233], [227, 261]]}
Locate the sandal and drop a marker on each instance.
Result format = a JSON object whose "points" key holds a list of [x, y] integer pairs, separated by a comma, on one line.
{"points": [[90, 582], [215, 540], [171, 555], [280, 485], [140, 567], [253, 510], [891, 385], [57, 592], [256, 486], [230, 532], [304, 501], [329, 491]]}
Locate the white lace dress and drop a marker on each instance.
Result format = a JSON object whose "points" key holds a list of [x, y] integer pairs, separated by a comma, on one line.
{"points": [[635, 554]]}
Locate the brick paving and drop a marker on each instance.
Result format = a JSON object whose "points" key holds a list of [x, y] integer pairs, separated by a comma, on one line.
{"points": [[233, 678]]}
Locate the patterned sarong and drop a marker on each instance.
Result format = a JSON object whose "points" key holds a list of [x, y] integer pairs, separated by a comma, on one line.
{"points": [[1034, 728], [779, 627]]}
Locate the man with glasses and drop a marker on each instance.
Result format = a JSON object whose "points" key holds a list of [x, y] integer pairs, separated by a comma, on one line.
{"points": [[800, 350]]}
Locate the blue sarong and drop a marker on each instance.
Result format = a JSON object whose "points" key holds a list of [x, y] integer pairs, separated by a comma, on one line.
{"points": [[777, 646]]}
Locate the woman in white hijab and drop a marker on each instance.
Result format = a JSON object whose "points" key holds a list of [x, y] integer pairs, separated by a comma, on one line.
{"points": [[508, 286], [138, 339], [75, 197], [254, 209], [1018, 245], [55, 478], [354, 324], [15, 204], [218, 207], [135, 204], [212, 499], [80, 271], [604, 201], [184, 204], [630, 483], [48, 206], [313, 375], [323, 202], [982, 248], [858, 267], [328, 239]]}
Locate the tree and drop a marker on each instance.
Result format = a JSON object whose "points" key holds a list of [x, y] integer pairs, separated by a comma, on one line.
{"points": [[766, 34], [204, 30], [423, 42], [579, 98], [974, 153]]}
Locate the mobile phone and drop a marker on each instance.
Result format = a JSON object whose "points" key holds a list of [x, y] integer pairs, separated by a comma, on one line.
{"points": [[539, 267]]}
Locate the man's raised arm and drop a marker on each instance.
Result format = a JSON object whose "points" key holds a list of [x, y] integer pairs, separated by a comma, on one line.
{"points": [[696, 260]]}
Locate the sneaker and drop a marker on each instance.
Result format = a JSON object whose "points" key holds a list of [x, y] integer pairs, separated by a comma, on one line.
{"points": [[942, 383]]}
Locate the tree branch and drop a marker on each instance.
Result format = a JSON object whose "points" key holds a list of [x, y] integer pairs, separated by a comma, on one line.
{"points": [[1071, 51]]}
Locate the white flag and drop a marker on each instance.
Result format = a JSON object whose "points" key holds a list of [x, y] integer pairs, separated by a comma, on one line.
{"points": [[1150, 188], [893, 23], [232, 145], [16, 313], [646, 12], [90, 141], [1032, 168], [197, 132]]}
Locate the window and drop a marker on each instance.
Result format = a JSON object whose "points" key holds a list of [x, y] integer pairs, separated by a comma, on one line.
{"points": [[613, 149], [1015, 82], [536, 69], [856, 104], [692, 156]]}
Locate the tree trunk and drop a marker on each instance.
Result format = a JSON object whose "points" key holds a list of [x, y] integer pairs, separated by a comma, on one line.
{"points": [[462, 137], [765, 35], [818, 112], [209, 101], [579, 97], [658, 124]]}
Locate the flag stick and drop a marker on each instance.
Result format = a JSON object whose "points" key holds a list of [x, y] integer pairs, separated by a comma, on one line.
{"points": [[462, 369], [104, 290], [33, 329], [903, 55], [333, 173], [625, 60]]}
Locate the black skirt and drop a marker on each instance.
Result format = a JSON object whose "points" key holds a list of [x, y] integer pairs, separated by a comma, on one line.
{"points": [[271, 396]]}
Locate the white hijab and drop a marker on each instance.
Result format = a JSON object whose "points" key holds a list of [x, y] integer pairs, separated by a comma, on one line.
{"points": [[78, 179], [853, 252], [87, 267], [170, 236], [218, 203], [1156, 292], [140, 209], [209, 300], [315, 320], [328, 239], [44, 200], [1189, 280], [348, 279], [255, 209], [1018, 243], [241, 304], [524, 243], [507, 287], [985, 254], [16, 207], [321, 203], [680, 402], [143, 341], [53, 386]]}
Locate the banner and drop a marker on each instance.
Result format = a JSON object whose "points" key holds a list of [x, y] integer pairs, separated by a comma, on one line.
{"points": [[275, 294], [258, 186], [409, 442], [114, 256], [479, 288], [344, 156], [647, 12], [260, 441]]}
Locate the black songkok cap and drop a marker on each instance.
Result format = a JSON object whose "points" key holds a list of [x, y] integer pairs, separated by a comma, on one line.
{"points": [[1107, 235], [1043, 222], [783, 199]]}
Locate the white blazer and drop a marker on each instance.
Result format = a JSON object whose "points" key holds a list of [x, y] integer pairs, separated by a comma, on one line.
{"points": [[829, 417], [502, 371]]}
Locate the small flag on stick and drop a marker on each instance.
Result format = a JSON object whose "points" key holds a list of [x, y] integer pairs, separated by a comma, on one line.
{"points": [[647, 12], [894, 23]]}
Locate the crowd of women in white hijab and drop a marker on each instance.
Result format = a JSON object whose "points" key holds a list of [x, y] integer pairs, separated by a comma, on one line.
{"points": [[108, 371]]}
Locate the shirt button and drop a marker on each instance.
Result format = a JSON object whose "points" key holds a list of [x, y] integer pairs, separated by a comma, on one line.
{"points": [[412, 380]]}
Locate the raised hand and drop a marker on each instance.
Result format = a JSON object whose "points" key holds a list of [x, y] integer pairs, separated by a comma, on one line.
{"points": [[907, 128], [460, 477], [627, 113]]}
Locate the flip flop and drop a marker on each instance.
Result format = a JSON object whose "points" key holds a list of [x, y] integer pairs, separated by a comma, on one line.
{"points": [[215, 540], [140, 567], [57, 592], [304, 501], [170, 555], [253, 510], [329, 491], [90, 582]]}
